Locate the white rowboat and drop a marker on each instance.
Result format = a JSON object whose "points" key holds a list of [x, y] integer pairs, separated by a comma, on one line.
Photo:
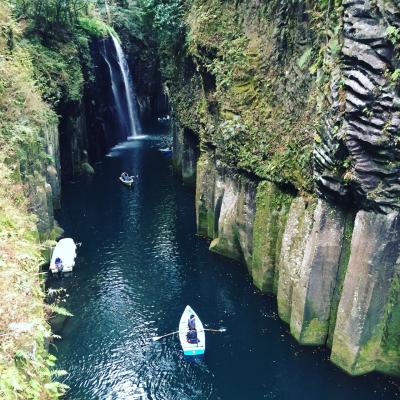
{"points": [[127, 182], [65, 250], [190, 349]]}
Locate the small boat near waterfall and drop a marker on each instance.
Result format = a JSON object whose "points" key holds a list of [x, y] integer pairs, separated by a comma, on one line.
{"points": [[63, 258], [128, 182], [191, 349], [167, 151]]}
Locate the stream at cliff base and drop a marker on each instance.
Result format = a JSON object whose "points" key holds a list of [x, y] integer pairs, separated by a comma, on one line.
{"points": [[139, 265]]}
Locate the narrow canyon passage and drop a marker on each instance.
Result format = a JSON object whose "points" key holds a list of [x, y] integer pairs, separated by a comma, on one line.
{"points": [[139, 265]]}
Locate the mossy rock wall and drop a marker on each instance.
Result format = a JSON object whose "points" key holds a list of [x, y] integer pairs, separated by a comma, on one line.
{"points": [[302, 96], [313, 292], [335, 285], [368, 305], [272, 207]]}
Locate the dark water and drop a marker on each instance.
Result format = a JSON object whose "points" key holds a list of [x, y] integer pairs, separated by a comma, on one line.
{"points": [[139, 266]]}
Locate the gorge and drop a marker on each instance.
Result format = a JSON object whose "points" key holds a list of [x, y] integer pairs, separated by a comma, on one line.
{"points": [[285, 123]]}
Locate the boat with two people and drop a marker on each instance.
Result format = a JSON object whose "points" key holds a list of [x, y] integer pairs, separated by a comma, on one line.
{"points": [[63, 258], [191, 333], [126, 179]]}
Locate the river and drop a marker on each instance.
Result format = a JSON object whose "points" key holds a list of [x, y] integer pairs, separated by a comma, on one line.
{"points": [[139, 265]]}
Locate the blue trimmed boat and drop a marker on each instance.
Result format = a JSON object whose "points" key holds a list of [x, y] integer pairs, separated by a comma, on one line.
{"points": [[128, 182], [191, 349]]}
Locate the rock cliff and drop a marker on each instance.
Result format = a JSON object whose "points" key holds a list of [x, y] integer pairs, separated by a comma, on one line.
{"points": [[296, 111]]}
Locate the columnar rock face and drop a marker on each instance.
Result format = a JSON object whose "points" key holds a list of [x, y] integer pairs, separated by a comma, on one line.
{"points": [[335, 285], [43, 184], [186, 154], [313, 291], [225, 208], [53, 170], [272, 207], [295, 237], [236, 212], [329, 249], [365, 308]]}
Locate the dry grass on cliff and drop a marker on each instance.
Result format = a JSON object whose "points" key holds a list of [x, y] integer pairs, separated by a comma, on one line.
{"points": [[21, 299], [19, 254]]}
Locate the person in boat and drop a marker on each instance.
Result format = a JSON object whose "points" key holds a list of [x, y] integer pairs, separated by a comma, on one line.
{"points": [[125, 176], [192, 323], [59, 266], [191, 337]]}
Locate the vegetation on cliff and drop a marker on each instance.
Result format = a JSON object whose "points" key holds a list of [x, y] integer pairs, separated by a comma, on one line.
{"points": [[265, 86], [24, 363], [42, 55], [243, 76]]}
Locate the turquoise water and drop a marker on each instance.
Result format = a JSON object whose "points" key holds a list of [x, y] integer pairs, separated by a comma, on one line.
{"points": [[139, 265]]}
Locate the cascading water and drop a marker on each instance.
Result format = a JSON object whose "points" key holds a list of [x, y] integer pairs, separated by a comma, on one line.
{"points": [[114, 87], [122, 89], [128, 86]]}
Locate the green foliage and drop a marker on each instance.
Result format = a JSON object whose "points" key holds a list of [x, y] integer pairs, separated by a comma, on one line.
{"points": [[242, 107], [51, 16], [395, 76], [168, 21], [26, 369], [393, 34], [305, 58], [57, 70], [95, 27], [59, 310]]}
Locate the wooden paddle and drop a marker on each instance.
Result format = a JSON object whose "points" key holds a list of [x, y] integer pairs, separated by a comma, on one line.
{"points": [[163, 336], [173, 333], [214, 330]]}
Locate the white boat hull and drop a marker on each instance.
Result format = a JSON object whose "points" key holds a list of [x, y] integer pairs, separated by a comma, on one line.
{"points": [[191, 349], [128, 182], [66, 250]]}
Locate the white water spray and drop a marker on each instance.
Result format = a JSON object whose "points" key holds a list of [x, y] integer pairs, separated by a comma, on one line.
{"points": [[129, 92], [114, 86]]}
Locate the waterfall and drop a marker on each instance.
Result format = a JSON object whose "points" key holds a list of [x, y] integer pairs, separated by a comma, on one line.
{"points": [[128, 86], [122, 88], [114, 87]]}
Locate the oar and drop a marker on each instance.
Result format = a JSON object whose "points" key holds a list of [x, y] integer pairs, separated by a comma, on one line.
{"points": [[155, 338], [163, 336]]}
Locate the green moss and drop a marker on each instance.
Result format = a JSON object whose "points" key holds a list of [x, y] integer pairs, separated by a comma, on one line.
{"points": [[235, 97], [272, 206], [368, 354], [389, 361], [225, 248], [313, 333], [343, 263], [343, 357], [57, 71], [95, 27], [284, 309]]}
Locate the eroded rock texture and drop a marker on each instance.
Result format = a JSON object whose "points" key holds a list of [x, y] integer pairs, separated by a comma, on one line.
{"points": [[365, 308], [359, 155], [335, 285], [331, 257]]}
